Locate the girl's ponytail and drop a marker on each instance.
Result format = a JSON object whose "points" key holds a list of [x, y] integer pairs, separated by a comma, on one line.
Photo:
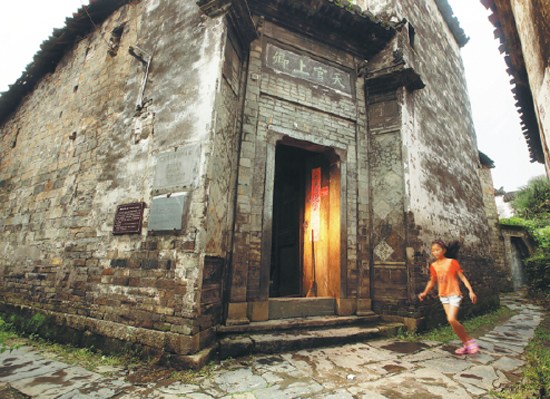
{"points": [[451, 249]]}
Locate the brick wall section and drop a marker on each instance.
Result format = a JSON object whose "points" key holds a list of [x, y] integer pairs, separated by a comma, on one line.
{"points": [[82, 149]]}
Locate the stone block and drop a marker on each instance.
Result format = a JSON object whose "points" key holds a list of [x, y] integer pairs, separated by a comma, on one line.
{"points": [[258, 311], [345, 307], [237, 313]]}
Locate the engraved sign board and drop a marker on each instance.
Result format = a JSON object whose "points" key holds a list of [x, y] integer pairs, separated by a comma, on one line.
{"points": [[303, 67], [167, 212], [177, 169], [128, 218]]}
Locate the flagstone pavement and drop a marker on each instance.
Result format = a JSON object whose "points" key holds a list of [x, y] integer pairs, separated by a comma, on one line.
{"points": [[387, 368]]}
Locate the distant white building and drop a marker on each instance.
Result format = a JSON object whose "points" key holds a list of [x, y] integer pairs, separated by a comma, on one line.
{"points": [[504, 208]]}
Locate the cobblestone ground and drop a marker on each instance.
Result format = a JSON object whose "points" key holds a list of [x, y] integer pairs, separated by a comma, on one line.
{"points": [[375, 370]]}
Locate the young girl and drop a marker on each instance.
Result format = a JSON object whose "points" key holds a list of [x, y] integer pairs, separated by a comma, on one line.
{"points": [[444, 271]]}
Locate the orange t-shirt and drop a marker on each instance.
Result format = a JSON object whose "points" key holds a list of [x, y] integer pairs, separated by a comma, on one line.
{"points": [[447, 279]]}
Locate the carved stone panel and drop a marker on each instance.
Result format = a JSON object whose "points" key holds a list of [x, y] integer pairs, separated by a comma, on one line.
{"points": [[178, 169], [167, 212]]}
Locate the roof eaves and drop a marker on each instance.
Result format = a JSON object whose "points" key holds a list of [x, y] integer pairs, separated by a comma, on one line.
{"points": [[510, 46], [452, 22], [52, 50], [485, 160]]}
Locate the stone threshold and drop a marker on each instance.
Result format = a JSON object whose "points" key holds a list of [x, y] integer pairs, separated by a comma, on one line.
{"points": [[313, 322], [276, 341]]}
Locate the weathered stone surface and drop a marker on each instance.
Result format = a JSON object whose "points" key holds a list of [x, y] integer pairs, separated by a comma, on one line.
{"points": [[208, 124], [371, 369]]}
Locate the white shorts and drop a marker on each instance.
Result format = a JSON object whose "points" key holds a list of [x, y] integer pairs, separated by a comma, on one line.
{"points": [[453, 300]]}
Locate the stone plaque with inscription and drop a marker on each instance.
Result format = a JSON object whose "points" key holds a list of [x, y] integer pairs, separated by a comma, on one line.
{"points": [[306, 68], [178, 169], [128, 218], [167, 212]]}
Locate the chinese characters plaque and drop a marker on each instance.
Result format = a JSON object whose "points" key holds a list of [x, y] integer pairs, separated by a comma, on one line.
{"points": [[303, 67]]}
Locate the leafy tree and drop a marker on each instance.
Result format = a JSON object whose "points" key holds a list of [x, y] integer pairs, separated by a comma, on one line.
{"points": [[532, 207], [532, 202]]}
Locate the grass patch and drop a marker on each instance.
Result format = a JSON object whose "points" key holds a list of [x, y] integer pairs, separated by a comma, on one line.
{"points": [[476, 327], [88, 358], [7, 336], [535, 382]]}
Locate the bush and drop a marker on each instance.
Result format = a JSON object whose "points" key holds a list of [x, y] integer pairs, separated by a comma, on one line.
{"points": [[539, 230], [537, 270], [533, 201]]}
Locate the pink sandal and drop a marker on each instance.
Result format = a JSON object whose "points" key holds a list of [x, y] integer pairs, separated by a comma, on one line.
{"points": [[469, 347]]}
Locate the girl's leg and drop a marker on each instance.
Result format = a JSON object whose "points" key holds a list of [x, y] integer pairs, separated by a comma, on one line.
{"points": [[458, 328]]}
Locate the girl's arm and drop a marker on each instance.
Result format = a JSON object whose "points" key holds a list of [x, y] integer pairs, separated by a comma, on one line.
{"points": [[463, 278], [428, 288]]}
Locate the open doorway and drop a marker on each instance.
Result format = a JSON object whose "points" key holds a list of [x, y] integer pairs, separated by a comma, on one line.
{"points": [[305, 254]]}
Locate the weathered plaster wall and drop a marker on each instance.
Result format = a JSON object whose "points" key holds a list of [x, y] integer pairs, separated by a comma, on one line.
{"points": [[441, 158], [76, 148], [435, 161]]}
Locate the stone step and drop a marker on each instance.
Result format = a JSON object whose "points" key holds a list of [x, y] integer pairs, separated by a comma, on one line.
{"points": [[309, 323], [282, 341], [287, 308]]}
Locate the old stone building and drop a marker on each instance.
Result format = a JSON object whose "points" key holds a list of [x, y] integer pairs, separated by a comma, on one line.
{"points": [[169, 168], [498, 247], [523, 28]]}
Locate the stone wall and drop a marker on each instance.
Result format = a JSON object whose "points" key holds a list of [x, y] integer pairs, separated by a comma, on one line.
{"points": [[77, 148], [436, 161]]}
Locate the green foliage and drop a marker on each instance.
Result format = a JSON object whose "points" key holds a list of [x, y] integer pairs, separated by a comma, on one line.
{"points": [[6, 333], [539, 231], [532, 202], [532, 206], [345, 3], [537, 270], [476, 326], [536, 373]]}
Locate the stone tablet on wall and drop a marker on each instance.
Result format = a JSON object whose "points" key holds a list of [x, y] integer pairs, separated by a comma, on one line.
{"points": [[177, 169], [167, 212]]}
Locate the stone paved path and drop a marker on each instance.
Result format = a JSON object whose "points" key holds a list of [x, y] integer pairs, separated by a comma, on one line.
{"points": [[375, 370]]}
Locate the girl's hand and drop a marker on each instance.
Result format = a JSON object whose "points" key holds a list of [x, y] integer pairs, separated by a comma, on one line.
{"points": [[421, 296], [473, 297]]}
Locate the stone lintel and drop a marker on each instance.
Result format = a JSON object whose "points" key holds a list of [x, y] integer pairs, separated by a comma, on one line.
{"points": [[238, 16], [392, 78]]}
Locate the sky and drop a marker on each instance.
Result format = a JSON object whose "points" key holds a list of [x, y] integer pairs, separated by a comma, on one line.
{"points": [[25, 24]]}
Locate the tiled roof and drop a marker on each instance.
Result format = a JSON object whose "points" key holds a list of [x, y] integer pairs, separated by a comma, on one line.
{"points": [[52, 50], [510, 45], [452, 22], [485, 160], [336, 22]]}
